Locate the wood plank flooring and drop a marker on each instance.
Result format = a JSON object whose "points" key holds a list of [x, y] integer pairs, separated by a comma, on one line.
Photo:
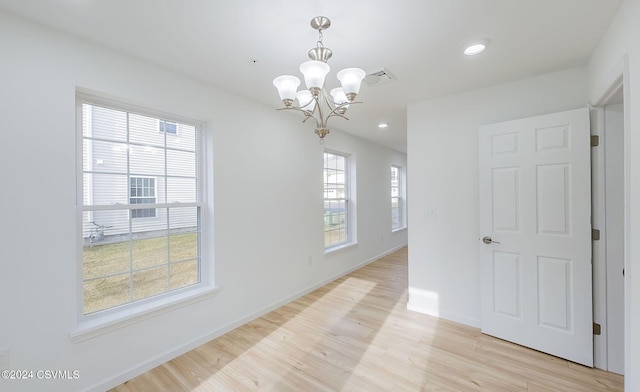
{"points": [[355, 334]]}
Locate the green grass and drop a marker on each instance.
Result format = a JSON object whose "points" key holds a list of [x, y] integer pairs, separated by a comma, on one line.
{"points": [[334, 234], [117, 273]]}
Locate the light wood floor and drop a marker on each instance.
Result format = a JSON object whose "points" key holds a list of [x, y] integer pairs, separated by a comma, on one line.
{"points": [[356, 334]]}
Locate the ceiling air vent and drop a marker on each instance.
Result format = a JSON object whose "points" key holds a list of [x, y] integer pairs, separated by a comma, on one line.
{"points": [[379, 77]]}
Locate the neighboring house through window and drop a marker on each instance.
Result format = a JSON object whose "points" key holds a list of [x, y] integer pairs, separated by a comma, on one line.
{"points": [[141, 206], [168, 127], [337, 209]]}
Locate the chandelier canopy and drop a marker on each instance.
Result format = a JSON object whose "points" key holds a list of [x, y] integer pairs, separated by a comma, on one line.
{"points": [[314, 102]]}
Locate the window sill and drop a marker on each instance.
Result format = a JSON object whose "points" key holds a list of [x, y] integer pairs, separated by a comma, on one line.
{"points": [[339, 248], [399, 229], [93, 326]]}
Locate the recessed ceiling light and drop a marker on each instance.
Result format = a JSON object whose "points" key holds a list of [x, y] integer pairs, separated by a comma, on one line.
{"points": [[475, 47], [383, 125]]}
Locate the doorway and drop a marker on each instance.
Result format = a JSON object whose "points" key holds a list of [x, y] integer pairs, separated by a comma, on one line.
{"points": [[608, 175]]}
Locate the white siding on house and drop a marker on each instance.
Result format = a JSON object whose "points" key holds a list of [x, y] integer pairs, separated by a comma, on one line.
{"points": [[119, 146]]}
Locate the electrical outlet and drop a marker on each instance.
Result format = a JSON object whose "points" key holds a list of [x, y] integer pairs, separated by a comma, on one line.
{"points": [[4, 359]]}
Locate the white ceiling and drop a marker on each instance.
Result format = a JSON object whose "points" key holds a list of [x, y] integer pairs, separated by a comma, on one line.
{"points": [[418, 41]]}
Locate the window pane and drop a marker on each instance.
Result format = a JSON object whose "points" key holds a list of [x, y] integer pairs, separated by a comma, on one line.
{"points": [[184, 274], [181, 190], [146, 161], [144, 130], [184, 218], [181, 163], [100, 227], [105, 259], [395, 215], [185, 139], [103, 156], [103, 123], [104, 189], [142, 228], [105, 293], [149, 252], [183, 246], [150, 282], [335, 222]]}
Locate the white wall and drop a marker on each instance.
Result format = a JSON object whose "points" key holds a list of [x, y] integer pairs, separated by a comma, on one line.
{"points": [[444, 257], [618, 52], [262, 158]]}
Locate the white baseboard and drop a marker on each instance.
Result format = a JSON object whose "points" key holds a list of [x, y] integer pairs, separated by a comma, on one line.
{"points": [[171, 354]]}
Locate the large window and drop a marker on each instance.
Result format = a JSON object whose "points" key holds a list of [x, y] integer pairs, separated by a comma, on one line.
{"points": [[141, 206], [397, 200], [336, 199]]}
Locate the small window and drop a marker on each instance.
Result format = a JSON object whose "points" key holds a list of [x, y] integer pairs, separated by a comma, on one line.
{"points": [[142, 190], [168, 127], [336, 200], [397, 199]]}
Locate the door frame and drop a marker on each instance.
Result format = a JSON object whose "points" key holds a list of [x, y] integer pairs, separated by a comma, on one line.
{"points": [[620, 82]]}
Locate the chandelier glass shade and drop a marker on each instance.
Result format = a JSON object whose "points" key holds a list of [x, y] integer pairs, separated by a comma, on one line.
{"points": [[314, 102]]}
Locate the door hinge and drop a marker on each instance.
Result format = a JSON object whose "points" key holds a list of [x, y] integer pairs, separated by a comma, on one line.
{"points": [[597, 330], [595, 235], [595, 140]]}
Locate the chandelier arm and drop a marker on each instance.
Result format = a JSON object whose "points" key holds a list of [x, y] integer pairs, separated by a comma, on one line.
{"points": [[334, 112], [307, 114], [337, 115], [332, 105]]}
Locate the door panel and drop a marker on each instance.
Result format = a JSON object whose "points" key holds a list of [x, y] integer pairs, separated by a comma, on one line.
{"points": [[505, 188], [507, 291], [554, 292], [535, 204], [552, 195]]}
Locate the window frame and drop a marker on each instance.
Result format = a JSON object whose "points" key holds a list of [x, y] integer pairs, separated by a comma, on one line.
{"points": [[103, 321], [401, 199], [348, 200]]}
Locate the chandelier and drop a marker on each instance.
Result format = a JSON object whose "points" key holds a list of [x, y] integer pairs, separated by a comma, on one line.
{"points": [[315, 102]]}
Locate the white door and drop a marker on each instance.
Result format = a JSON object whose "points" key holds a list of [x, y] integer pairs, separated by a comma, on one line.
{"points": [[535, 205]]}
